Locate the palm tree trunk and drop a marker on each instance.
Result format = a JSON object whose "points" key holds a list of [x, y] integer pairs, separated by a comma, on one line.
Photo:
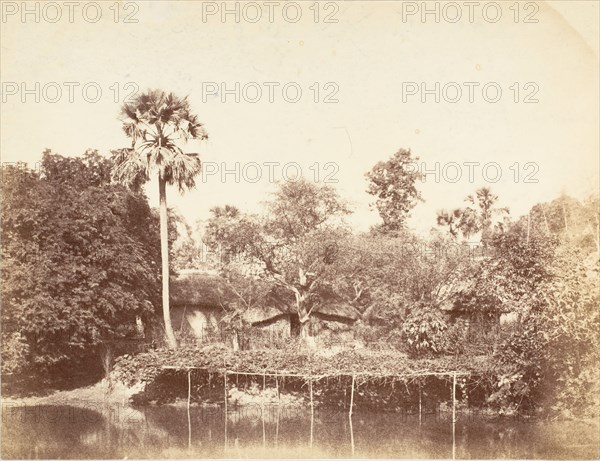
{"points": [[164, 253]]}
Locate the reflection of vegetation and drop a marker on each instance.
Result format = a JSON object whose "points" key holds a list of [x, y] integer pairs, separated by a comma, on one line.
{"points": [[162, 431], [65, 431]]}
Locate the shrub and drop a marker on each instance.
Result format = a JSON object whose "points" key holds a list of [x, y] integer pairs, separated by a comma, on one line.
{"points": [[14, 352], [424, 330]]}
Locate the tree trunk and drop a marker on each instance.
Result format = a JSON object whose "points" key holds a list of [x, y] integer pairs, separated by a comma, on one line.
{"points": [[307, 339], [236, 341], [304, 319], [304, 332], [164, 253]]}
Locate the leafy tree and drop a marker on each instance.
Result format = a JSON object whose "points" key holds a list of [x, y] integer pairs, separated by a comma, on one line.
{"points": [[292, 244], [485, 201], [159, 124], [186, 252], [364, 268], [505, 277], [547, 271], [393, 184], [553, 358], [80, 262], [389, 279], [217, 232], [570, 322], [567, 218]]}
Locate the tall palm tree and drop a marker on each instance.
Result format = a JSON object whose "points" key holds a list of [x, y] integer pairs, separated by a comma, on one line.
{"points": [[159, 124]]}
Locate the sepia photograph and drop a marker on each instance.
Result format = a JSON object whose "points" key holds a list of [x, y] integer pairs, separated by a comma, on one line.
{"points": [[351, 229]]}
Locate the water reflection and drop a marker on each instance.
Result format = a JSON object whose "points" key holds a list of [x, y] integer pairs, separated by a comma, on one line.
{"points": [[117, 431]]}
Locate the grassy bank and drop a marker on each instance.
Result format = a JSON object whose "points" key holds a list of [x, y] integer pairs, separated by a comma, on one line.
{"points": [[102, 391]]}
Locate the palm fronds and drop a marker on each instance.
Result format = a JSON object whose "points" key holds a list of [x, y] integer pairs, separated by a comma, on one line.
{"points": [[158, 124]]}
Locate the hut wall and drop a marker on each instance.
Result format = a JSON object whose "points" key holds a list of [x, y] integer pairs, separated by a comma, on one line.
{"points": [[202, 322], [269, 333], [332, 332]]}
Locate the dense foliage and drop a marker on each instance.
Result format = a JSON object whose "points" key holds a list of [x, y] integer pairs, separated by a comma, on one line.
{"points": [[80, 262], [554, 355], [521, 298], [520, 311], [424, 330]]}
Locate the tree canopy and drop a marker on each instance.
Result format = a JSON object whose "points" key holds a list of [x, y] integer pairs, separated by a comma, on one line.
{"points": [[393, 183], [293, 244], [80, 261]]}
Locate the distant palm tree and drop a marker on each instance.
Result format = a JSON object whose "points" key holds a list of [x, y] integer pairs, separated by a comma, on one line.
{"points": [[158, 125], [485, 200], [471, 220]]}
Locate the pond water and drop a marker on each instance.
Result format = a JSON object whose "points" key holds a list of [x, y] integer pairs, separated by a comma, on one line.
{"points": [[119, 431]]}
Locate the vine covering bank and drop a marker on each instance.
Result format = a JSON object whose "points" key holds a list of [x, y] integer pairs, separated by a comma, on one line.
{"points": [[145, 367]]}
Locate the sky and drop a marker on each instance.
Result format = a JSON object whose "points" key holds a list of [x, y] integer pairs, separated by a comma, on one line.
{"points": [[370, 66]]}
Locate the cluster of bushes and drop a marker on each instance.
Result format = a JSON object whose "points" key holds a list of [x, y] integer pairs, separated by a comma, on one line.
{"points": [[80, 260]]}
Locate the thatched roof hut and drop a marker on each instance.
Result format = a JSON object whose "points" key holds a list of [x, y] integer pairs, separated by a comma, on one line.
{"points": [[200, 289], [209, 290]]}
